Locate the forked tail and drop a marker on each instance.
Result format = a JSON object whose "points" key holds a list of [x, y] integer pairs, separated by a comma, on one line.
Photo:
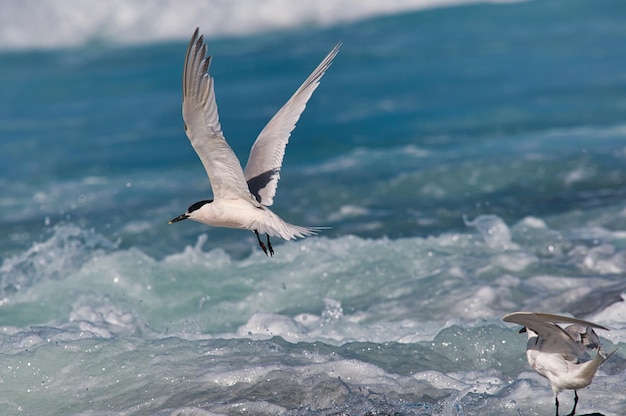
{"points": [[274, 226], [590, 367]]}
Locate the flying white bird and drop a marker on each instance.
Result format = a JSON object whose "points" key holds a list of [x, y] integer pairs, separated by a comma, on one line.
{"points": [[561, 354], [240, 196]]}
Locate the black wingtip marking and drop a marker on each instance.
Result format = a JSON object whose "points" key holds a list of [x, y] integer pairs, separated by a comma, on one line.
{"points": [[260, 181]]}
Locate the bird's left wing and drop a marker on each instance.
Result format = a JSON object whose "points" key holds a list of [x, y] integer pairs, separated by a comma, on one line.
{"points": [[202, 125], [528, 318], [266, 156], [556, 339]]}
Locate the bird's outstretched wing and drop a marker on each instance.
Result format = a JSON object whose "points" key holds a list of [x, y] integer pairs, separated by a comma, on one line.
{"points": [[202, 125], [530, 318], [266, 156], [555, 338]]}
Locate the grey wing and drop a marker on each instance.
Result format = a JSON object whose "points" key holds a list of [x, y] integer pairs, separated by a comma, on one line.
{"points": [[584, 335], [521, 317], [266, 156], [555, 338], [202, 125]]}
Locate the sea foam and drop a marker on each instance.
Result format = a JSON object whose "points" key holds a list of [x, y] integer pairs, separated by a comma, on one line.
{"points": [[32, 24]]}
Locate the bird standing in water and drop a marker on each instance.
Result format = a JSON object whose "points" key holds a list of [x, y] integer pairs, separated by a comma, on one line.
{"points": [[561, 354]]}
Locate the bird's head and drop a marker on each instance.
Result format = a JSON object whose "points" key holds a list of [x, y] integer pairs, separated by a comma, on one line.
{"points": [[531, 334], [191, 212]]}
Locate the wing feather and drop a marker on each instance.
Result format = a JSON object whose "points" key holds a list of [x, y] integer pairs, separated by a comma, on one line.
{"points": [[262, 170], [555, 338], [530, 318], [203, 128]]}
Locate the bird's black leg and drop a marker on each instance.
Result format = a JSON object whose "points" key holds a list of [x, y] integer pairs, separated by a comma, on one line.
{"points": [[575, 403], [556, 401], [261, 243], [269, 245]]}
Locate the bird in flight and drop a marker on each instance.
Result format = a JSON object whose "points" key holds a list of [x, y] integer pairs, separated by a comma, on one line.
{"points": [[561, 354], [241, 197]]}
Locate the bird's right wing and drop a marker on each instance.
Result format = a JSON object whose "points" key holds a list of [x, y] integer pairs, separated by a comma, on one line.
{"points": [[555, 338], [584, 335], [530, 318], [202, 125], [266, 156]]}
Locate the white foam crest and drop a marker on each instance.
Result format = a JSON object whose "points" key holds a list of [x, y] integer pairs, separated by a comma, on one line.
{"points": [[480, 370], [35, 24], [333, 327], [339, 290], [65, 251], [317, 276], [102, 318], [348, 211], [267, 325], [493, 230], [342, 373]]}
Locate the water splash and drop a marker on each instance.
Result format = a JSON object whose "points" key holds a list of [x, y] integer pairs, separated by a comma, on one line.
{"points": [[64, 252]]}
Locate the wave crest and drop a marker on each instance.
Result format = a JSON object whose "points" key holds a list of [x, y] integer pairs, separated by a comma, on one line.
{"points": [[63, 23]]}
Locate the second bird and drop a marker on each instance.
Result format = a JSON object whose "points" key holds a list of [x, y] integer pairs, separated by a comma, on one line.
{"points": [[561, 354]]}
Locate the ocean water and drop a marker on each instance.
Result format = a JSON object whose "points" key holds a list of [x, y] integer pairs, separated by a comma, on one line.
{"points": [[469, 159]]}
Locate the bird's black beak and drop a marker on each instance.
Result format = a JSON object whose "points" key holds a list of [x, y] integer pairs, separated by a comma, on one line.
{"points": [[521, 331], [179, 218]]}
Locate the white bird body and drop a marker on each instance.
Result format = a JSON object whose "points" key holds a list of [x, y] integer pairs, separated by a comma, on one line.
{"points": [[561, 354], [564, 371], [241, 196], [245, 214]]}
